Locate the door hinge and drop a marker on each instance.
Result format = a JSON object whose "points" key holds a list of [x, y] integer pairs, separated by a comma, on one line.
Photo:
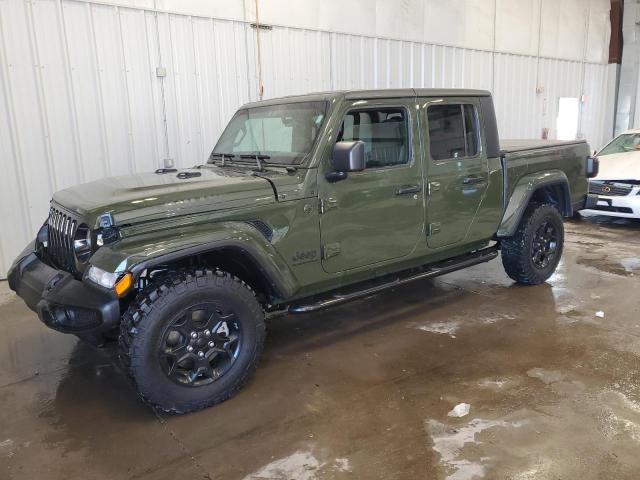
{"points": [[330, 250], [327, 204], [434, 228], [433, 187]]}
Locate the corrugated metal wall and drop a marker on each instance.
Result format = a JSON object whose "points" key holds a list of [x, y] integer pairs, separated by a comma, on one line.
{"points": [[81, 98]]}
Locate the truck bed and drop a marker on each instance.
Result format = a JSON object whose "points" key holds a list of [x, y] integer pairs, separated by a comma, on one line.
{"points": [[510, 146], [523, 158]]}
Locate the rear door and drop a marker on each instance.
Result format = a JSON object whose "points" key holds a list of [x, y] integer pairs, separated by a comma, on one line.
{"points": [[457, 172], [377, 214]]}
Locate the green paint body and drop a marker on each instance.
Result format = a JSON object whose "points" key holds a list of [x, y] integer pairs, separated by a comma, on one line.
{"points": [[327, 235]]}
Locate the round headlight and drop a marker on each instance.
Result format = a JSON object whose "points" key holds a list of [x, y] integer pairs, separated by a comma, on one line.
{"points": [[82, 242]]}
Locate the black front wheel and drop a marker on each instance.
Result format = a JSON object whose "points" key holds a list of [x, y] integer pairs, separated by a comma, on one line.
{"points": [[192, 339], [200, 344], [532, 254]]}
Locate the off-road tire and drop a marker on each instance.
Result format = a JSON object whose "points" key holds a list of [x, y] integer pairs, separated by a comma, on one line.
{"points": [[517, 250], [155, 307]]}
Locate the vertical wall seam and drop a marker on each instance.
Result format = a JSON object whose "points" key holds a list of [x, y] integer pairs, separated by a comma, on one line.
{"points": [[453, 67], [362, 57], [217, 67], [98, 79], [539, 43], [443, 72], [400, 64], [422, 63], [73, 110], [463, 68], [199, 101], [14, 134], [375, 63], [411, 65], [388, 63], [583, 69], [247, 33], [493, 49], [433, 66], [163, 98], [176, 76], [151, 75], [42, 108], [127, 94]]}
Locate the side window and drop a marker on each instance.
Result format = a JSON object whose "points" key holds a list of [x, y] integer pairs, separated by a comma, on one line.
{"points": [[384, 132], [453, 131], [472, 130]]}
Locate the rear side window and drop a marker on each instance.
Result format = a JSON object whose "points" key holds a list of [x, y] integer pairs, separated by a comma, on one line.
{"points": [[384, 132], [453, 131], [471, 130]]}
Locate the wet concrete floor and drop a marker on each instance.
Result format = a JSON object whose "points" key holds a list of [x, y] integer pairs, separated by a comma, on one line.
{"points": [[364, 390]]}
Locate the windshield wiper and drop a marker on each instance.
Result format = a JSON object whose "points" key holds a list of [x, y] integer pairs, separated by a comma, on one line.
{"points": [[258, 158], [223, 156]]}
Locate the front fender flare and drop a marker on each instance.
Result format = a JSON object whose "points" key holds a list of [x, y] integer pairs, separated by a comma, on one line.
{"points": [[137, 253], [522, 193]]}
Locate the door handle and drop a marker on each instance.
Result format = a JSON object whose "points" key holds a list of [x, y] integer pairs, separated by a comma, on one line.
{"points": [[408, 190], [472, 180]]}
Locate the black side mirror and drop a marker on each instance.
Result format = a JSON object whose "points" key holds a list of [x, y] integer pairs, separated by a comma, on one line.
{"points": [[346, 157]]}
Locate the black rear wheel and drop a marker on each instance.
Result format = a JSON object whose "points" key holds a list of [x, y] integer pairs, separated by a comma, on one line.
{"points": [[532, 254], [192, 339], [545, 245]]}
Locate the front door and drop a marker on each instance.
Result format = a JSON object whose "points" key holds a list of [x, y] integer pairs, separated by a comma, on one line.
{"points": [[457, 175], [377, 214]]}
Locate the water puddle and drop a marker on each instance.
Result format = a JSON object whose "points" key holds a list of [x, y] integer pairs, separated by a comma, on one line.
{"points": [[449, 443], [300, 465]]}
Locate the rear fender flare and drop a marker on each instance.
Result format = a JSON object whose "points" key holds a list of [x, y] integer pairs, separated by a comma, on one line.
{"points": [[524, 191]]}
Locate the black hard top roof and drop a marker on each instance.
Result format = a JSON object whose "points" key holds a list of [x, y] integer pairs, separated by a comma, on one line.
{"points": [[375, 93]]}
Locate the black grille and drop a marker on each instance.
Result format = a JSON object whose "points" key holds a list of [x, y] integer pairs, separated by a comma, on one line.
{"points": [[62, 230], [609, 189]]}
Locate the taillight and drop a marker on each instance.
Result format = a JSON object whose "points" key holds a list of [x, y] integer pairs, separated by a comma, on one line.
{"points": [[593, 166]]}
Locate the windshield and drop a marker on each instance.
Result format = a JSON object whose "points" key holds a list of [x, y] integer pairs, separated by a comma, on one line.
{"points": [[278, 133], [627, 142]]}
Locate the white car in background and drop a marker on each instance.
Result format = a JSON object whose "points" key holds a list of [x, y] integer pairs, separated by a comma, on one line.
{"points": [[617, 184]]}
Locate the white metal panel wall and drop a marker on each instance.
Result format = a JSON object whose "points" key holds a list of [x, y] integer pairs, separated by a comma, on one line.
{"points": [[294, 62], [207, 63], [364, 62], [81, 98]]}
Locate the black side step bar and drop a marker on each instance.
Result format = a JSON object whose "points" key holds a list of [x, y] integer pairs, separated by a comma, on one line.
{"points": [[430, 271]]}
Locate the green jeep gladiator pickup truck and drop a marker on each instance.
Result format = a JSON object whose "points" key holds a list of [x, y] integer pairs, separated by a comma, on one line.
{"points": [[304, 203]]}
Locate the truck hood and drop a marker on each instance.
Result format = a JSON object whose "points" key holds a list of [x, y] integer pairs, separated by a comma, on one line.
{"points": [[619, 166], [147, 195]]}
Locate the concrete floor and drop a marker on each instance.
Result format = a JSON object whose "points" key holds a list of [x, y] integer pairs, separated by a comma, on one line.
{"points": [[363, 391]]}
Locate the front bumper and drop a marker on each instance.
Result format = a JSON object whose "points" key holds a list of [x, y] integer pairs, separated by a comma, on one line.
{"points": [[627, 206], [62, 302]]}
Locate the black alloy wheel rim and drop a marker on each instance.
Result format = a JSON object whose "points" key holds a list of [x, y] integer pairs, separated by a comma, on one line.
{"points": [[545, 245], [200, 344]]}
